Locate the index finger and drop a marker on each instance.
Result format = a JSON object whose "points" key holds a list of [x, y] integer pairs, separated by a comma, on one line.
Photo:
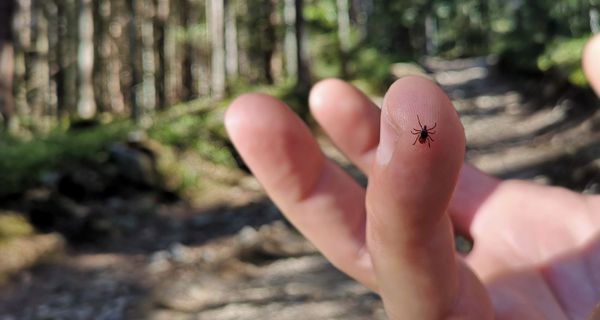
{"points": [[591, 63]]}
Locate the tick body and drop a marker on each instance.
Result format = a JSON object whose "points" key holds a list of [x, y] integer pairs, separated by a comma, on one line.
{"points": [[423, 133]]}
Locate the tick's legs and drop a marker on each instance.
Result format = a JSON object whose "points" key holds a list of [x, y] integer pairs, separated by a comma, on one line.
{"points": [[420, 125], [430, 132], [416, 140], [415, 131], [429, 141], [434, 125]]}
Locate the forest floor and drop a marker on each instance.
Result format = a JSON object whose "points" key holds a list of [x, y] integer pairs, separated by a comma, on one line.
{"points": [[231, 255]]}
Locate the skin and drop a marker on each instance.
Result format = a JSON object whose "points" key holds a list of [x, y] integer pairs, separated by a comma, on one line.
{"points": [[536, 249]]}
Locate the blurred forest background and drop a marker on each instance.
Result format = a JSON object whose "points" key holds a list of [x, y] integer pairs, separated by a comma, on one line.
{"points": [[67, 59], [115, 168]]}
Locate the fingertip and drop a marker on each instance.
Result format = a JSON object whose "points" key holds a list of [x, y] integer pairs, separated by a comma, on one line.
{"points": [[414, 103], [244, 108], [422, 169], [275, 143], [591, 62], [335, 95], [349, 118], [317, 98]]}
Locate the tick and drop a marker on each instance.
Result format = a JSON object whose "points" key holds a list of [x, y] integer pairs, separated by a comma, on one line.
{"points": [[423, 134]]}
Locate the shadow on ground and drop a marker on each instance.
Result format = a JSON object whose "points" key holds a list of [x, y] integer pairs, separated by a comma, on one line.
{"points": [[226, 262]]}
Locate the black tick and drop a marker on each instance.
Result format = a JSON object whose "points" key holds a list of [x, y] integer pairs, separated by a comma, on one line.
{"points": [[423, 134]]}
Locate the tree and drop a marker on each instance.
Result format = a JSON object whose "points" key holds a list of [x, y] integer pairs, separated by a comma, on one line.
{"points": [[7, 104], [148, 60], [86, 106], [66, 74], [594, 18], [113, 68], [343, 19], [231, 47], [303, 78], [160, 34], [217, 33], [133, 60], [290, 49]]}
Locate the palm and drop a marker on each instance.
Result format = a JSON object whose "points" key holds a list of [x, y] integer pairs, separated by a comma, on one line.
{"points": [[539, 256]]}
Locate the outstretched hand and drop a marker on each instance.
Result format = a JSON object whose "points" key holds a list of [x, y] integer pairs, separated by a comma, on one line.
{"points": [[536, 251]]}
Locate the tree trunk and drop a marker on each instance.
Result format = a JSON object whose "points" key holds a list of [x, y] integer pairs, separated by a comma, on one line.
{"points": [[38, 73], [22, 45], [216, 32], [343, 19], [53, 59], [101, 11], [148, 61], [303, 80], [160, 22], [172, 55], [201, 58], [66, 77], [133, 61], [187, 87], [86, 106], [363, 10], [430, 34], [268, 37], [290, 49], [231, 46], [114, 64], [245, 65], [594, 20], [7, 104]]}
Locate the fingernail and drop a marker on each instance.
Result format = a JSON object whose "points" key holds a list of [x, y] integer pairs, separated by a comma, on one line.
{"points": [[388, 139]]}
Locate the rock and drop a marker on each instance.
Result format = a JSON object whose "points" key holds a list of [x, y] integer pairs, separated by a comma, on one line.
{"points": [[80, 183], [401, 70], [84, 124], [270, 242], [13, 225], [24, 252], [248, 236], [193, 295], [180, 253], [159, 262], [54, 212], [169, 315], [136, 164], [314, 310]]}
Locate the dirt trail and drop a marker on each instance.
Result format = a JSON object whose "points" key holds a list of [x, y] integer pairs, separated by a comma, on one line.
{"points": [[510, 135], [245, 262]]}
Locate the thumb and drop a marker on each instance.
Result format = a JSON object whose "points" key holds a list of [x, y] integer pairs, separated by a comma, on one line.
{"points": [[409, 233]]}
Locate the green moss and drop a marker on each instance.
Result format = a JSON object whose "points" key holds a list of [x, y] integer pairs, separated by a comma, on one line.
{"points": [[13, 225], [371, 69], [195, 127], [201, 131], [23, 162], [564, 56]]}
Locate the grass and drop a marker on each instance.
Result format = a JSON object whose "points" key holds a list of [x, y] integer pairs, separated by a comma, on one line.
{"points": [[22, 163], [564, 56], [193, 131], [193, 128]]}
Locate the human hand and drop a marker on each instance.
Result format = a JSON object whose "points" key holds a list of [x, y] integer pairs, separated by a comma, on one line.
{"points": [[536, 251]]}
